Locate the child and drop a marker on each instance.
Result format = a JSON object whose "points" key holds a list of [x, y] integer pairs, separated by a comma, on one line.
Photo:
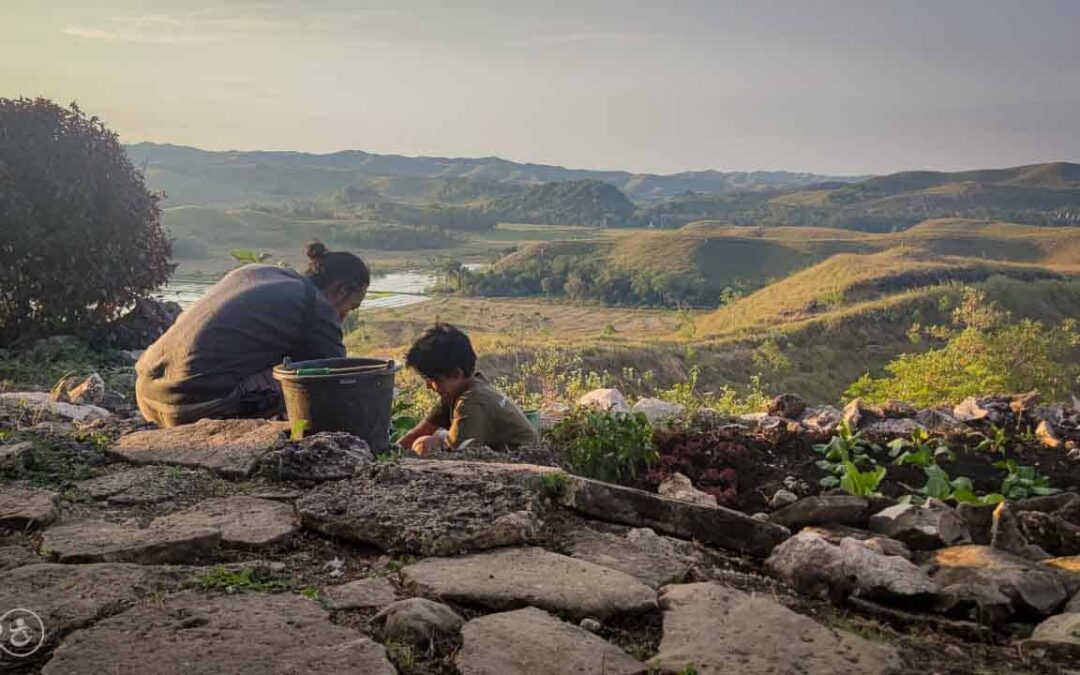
{"points": [[470, 408]]}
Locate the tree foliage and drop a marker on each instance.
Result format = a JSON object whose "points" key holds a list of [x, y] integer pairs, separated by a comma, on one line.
{"points": [[80, 234], [984, 353]]}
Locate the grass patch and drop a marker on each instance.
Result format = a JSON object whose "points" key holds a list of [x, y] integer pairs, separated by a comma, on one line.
{"points": [[246, 580]]}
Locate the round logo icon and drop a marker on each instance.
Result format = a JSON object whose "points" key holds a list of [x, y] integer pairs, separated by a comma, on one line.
{"points": [[21, 632]]}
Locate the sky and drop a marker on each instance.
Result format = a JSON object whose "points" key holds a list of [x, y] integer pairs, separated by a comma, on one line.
{"points": [[840, 87]]}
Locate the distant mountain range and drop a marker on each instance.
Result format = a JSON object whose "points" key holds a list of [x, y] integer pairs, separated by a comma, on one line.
{"points": [[193, 176]]}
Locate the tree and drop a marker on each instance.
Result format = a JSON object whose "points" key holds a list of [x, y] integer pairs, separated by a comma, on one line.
{"points": [[80, 234]]}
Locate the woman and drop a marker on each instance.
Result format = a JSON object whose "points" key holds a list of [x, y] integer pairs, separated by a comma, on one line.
{"points": [[216, 360]]}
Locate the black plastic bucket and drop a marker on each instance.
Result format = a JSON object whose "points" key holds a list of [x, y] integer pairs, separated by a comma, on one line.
{"points": [[348, 394]]}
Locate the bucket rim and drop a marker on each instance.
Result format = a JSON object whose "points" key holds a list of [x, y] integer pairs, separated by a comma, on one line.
{"points": [[290, 373]]}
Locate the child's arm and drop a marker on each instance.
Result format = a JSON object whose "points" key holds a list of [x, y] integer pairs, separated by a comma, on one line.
{"points": [[425, 428]]}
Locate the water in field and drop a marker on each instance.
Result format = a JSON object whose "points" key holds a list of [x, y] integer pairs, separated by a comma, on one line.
{"points": [[400, 289]]}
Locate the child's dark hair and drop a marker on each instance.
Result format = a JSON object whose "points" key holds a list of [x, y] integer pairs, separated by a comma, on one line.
{"points": [[440, 351], [327, 266]]}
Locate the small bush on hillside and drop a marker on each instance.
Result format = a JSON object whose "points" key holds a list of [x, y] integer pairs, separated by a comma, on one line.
{"points": [[81, 236], [984, 353]]}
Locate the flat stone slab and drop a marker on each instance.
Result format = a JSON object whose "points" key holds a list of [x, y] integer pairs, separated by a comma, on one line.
{"points": [[431, 507], [244, 522], [242, 634], [97, 541], [321, 457], [713, 525], [653, 559], [16, 556], [824, 510], [22, 508], [532, 642], [229, 448], [114, 484], [1059, 635], [39, 400], [965, 573], [512, 578], [67, 597], [723, 630], [372, 593]]}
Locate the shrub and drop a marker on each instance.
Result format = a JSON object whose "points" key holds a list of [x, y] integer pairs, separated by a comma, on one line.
{"points": [[605, 445], [82, 237]]}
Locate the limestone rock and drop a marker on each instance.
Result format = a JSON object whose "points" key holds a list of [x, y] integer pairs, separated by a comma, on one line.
{"points": [[890, 428], [788, 406], [611, 400], [714, 525], [95, 542], [922, 527], [782, 498], [321, 457], [651, 558], [244, 522], [1074, 605], [67, 597], [966, 570], [854, 414], [657, 410], [39, 400], [431, 507], [243, 634], [979, 519], [16, 556], [1059, 635], [940, 422], [113, 484], [820, 568], [22, 508], [1048, 532], [532, 642], [1047, 435], [678, 486], [230, 448], [418, 621], [1005, 535], [15, 457], [824, 510], [822, 420], [886, 545], [371, 593], [1047, 503], [511, 578], [90, 391], [722, 630]]}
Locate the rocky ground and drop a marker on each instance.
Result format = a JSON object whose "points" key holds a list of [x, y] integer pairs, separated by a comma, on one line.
{"points": [[225, 547]]}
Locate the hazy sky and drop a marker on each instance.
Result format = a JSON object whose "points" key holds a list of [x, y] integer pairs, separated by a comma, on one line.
{"points": [[834, 86]]}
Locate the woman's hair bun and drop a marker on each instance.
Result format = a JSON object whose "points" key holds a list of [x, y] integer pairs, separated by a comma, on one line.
{"points": [[316, 250]]}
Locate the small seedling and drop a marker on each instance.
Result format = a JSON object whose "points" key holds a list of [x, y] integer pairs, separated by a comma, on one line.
{"points": [[1022, 481], [247, 579], [316, 595], [401, 653], [846, 447], [920, 450], [995, 442], [297, 429]]}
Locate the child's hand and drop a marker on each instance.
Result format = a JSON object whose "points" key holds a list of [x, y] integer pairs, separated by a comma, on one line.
{"points": [[426, 444]]}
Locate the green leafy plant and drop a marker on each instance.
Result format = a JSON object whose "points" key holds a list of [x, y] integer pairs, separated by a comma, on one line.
{"points": [[861, 483], [995, 442], [847, 447], [248, 257], [247, 579], [315, 594], [553, 485], [608, 446], [920, 449], [1023, 481], [402, 420]]}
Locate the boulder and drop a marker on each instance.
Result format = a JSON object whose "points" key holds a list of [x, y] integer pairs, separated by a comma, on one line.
{"points": [[95, 542], [67, 597], [1048, 503], [244, 522], [890, 428], [1059, 635], [825, 510], [512, 578], [22, 508], [820, 568], [229, 448], [713, 525], [678, 486], [835, 533], [657, 410], [897, 410], [1049, 532], [968, 572], [611, 400], [114, 484], [16, 556], [1005, 535], [430, 507], [929, 526], [90, 391], [39, 400], [532, 642], [651, 558], [940, 422], [822, 420], [979, 519], [247, 633], [855, 414], [371, 593], [418, 621], [15, 457], [321, 457], [1047, 435], [722, 630], [788, 406]]}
